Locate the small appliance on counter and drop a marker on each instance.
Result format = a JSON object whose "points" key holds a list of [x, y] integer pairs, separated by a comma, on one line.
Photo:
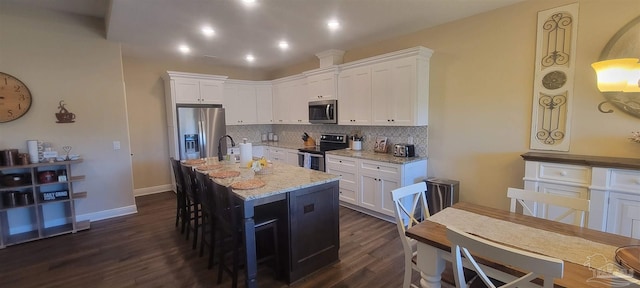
{"points": [[404, 150]]}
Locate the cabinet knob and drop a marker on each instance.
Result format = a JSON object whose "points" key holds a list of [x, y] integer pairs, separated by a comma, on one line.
{"points": [[377, 167]]}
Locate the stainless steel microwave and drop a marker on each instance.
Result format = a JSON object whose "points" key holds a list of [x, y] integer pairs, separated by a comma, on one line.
{"points": [[323, 112]]}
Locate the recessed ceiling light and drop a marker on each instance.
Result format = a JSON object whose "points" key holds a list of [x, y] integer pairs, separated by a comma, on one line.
{"points": [[284, 45], [184, 49], [333, 24], [249, 3], [208, 31], [250, 58]]}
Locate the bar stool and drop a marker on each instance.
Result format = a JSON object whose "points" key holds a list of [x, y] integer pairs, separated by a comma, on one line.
{"points": [[228, 216], [192, 203], [208, 232], [180, 196]]}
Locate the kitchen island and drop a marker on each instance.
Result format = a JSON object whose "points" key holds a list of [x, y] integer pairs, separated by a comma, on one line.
{"points": [[306, 204]]}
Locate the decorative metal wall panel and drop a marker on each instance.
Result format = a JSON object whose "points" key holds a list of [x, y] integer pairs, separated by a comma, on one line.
{"points": [[554, 72]]}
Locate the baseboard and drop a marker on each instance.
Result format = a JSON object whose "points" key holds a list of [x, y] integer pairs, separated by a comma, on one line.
{"points": [[368, 212], [152, 190], [106, 214]]}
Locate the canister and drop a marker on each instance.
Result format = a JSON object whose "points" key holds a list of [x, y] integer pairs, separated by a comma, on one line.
{"points": [[9, 157]]}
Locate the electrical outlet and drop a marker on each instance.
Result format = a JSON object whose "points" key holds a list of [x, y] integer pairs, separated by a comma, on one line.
{"points": [[116, 145]]}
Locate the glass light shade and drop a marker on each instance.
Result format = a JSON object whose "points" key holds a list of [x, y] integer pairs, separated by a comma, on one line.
{"points": [[618, 75]]}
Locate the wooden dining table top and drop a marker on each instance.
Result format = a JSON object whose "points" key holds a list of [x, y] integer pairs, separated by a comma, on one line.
{"points": [[575, 275]]}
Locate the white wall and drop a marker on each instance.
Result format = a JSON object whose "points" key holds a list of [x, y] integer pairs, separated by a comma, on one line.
{"points": [[63, 57]]}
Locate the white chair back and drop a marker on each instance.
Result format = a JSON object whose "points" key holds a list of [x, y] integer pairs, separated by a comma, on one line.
{"points": [[410, 201], [574, 206], [470, 246]]}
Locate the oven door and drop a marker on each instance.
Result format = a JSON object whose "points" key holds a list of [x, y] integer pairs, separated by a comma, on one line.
{"points": [[315, 161]]}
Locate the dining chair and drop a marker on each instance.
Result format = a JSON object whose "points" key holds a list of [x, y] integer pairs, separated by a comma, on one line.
{"points": [[192, 203], [531, 201], [410, 209], [207, 206], [230, 225], [466, 247], [180, 197]]}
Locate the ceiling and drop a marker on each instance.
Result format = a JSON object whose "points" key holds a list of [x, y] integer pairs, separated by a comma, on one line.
{"points": [[155, 28]]}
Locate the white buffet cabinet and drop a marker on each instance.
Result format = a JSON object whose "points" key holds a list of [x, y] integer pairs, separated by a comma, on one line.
{"points": [[612, 185], [366, 184]]}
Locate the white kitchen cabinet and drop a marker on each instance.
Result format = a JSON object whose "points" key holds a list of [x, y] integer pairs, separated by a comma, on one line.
{"points": [[354, 101], [377, 180], [347, 169], [322, 85], [240, 103], [191, 88], [292, 157], [400, 92], [264, 104], [612, 185], [283, 155], [290, 105], [386, 90], [247, 102], [366, 185]]}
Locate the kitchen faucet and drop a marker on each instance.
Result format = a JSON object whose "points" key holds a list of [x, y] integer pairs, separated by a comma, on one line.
{"points": [[233, 144]]}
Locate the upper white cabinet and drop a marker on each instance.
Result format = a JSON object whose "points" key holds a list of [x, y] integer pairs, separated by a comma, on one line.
{"points": [[400, 92], [247, 102], [290, 104], [612, 185], [322, 84], [387, 90], [264, 101], [354, 88], [191, 88]]}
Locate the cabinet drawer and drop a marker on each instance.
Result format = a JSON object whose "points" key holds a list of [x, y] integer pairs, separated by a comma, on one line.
{"points": [[565, 173], [346, 175], [379, 167], [334, 161], [625, 180]]}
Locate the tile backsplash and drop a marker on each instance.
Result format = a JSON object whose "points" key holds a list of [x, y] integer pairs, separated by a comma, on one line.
{"points": [[291, 134]]}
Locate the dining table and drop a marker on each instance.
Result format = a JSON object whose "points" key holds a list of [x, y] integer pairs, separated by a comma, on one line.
{"points": [[588, 255]]}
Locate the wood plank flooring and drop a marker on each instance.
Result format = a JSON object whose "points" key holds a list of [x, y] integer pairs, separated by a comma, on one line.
{"points": [[146, 250]]}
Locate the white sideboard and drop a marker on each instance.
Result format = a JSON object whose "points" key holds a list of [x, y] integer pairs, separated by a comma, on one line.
{"points": [[612, 184]]}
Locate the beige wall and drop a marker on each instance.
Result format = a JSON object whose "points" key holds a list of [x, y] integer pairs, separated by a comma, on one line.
{"points": [[60, 57], [480, 95]]}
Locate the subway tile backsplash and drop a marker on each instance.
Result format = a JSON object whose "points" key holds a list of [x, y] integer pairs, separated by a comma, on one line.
{"points": [[291, 134]]}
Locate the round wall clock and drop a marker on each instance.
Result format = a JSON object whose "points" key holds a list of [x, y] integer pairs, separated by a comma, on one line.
{"points": [[15, 98]]}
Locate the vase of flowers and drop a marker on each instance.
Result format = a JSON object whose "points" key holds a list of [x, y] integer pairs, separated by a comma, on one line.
{"points": [[635, 136], [259, 166]]}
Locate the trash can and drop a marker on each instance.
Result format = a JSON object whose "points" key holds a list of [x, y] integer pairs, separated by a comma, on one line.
{"points": [[441, 193]]}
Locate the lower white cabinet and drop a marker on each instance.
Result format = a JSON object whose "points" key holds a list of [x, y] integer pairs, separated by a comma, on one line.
{"points": [[282, 155], [614, 192], [366, 185], [347, 169]]}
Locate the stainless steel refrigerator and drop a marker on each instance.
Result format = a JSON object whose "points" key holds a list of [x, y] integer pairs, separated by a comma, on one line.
{"points": [[199, 128]]}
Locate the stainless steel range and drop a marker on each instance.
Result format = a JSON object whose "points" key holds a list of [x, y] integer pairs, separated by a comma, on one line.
{"points": [[313, 157]]}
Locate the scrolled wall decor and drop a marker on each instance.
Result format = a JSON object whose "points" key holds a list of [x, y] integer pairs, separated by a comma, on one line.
{"points": [[553, 83]]}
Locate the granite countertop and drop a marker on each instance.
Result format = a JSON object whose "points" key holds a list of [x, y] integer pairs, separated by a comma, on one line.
{"points": [[585, 160], [280, 178], [369, 155]]}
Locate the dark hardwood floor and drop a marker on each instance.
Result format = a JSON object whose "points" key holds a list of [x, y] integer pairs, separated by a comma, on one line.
{"points": [[146, 250]]}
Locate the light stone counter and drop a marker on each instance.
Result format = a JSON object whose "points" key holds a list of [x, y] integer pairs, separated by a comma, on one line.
{"points": [[280, 178], [382, 157]]}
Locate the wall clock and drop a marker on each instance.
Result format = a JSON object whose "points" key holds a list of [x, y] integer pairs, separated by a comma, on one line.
{"points": [[15, 98]]}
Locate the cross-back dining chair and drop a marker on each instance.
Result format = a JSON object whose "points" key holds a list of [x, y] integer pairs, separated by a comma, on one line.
{"points": [[465, 247], [410, 201], [531, 201]]}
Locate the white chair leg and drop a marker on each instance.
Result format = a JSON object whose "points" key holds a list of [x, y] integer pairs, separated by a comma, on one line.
{"points": [[408, 271]]}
